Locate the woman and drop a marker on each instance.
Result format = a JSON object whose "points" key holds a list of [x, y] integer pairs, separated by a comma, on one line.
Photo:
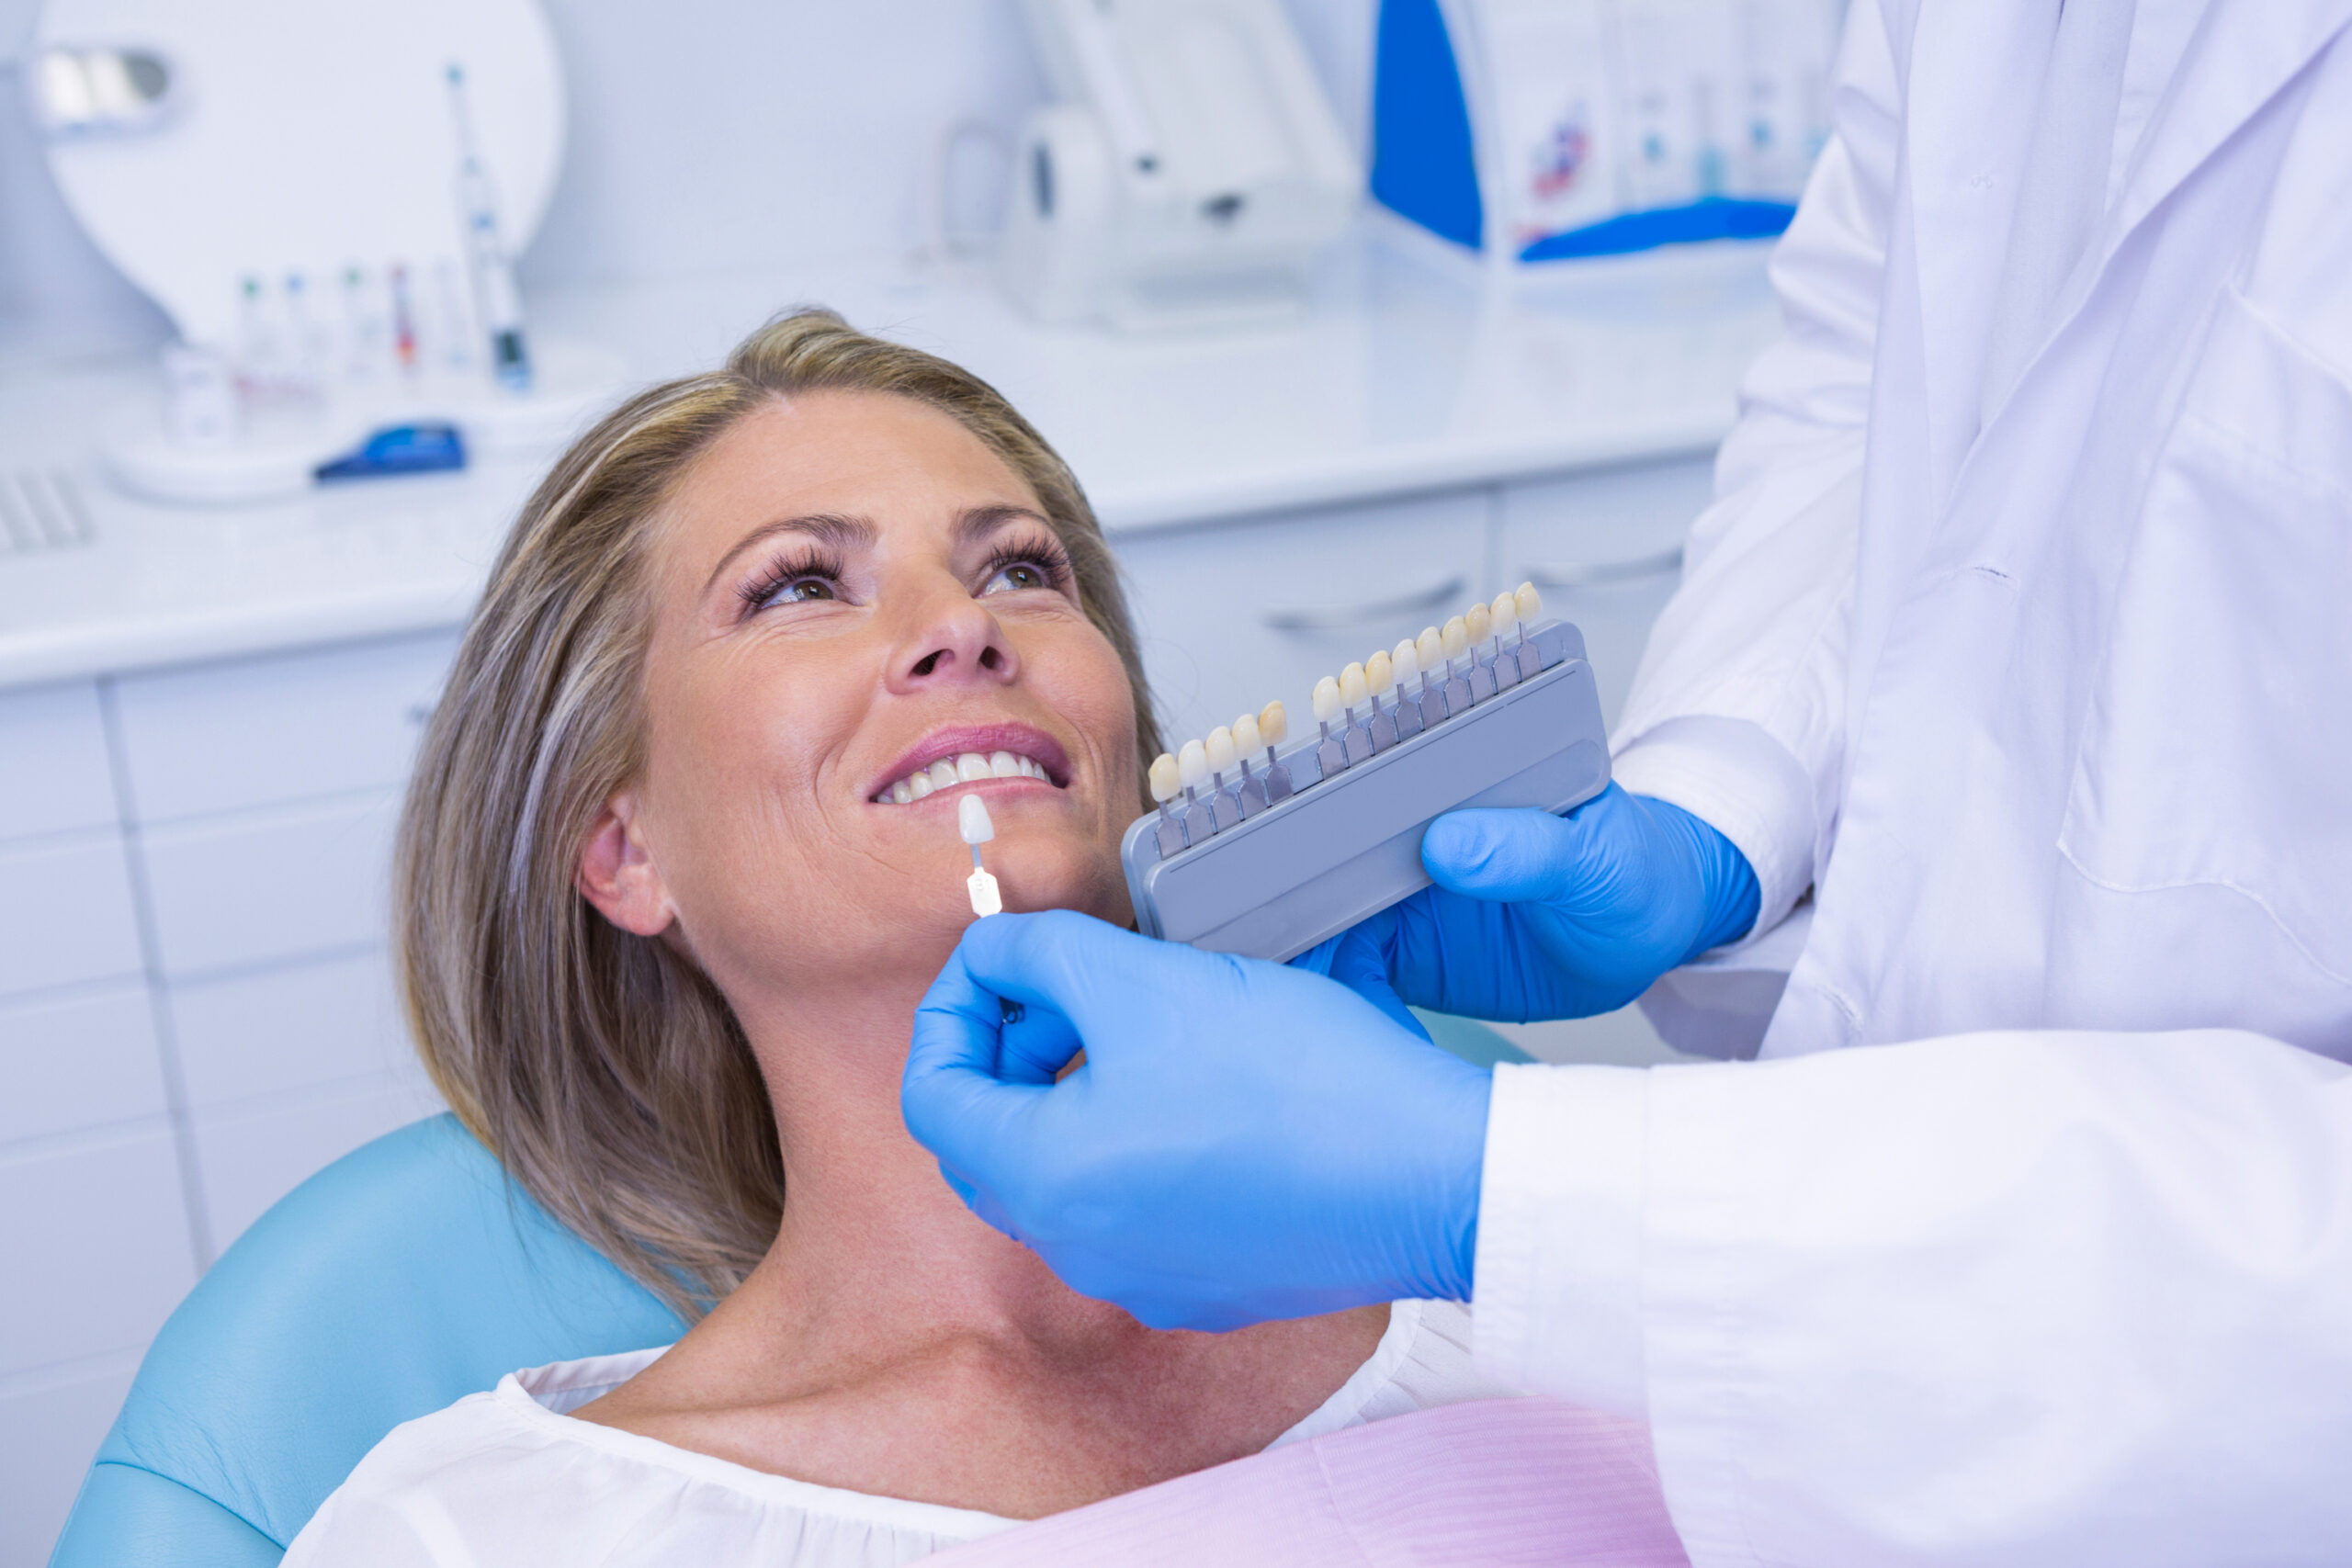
{"points": [[679, 860]]}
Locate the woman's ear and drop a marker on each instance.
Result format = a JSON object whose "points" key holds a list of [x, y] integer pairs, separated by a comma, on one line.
{"points": [[617, 874]]}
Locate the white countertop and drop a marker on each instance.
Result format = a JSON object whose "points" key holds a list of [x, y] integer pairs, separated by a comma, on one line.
{"points": [[1402, 377]]}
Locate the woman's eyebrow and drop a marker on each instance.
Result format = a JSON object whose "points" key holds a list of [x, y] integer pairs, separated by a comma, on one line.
{"points": [[975, 522], [838, 531]]}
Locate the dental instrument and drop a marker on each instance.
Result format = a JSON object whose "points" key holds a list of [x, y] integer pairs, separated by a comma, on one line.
{"points": [[1405, 659], [1429, 648], [1504, 613], [1380, 674], [972, 823], [497, 300], [1222, 803], [1531, 604], [1341, 841], [1274, 727], [1165, 784]]}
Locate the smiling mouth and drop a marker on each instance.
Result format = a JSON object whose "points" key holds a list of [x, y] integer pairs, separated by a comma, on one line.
{"points": [[965, 767]]}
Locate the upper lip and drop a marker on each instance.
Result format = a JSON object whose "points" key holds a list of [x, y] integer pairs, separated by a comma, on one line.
{"points": [[952, 742]]}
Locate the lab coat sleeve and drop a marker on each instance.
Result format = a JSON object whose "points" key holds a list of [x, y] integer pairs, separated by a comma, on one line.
{"points": [[1754, 641], [2049, 1298]]}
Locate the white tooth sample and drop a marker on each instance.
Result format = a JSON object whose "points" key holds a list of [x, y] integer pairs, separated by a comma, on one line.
{"points": [[1430, 646], [1380, 674], [919, 785], [943, 774], [1220, 750], [971, 765], [1164, 780], [973, 825], [1505, 611], [972, 820], [1454, 641], [1353, 692], [1529, 602], [1327, 700], [1273, 724], [1193, 764], [1246, 737], [1479, 624], [1407, 660], [1004, 765], [902, 792]]}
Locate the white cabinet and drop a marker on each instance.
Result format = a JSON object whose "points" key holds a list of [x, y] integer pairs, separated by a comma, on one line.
{"points": [[247, 889], [50, 1427], [82, 1058], [1234, 616], [254, 1154], [66, 912], [306, 1026], [53, 771], [1606, 550], [98, 1233]]}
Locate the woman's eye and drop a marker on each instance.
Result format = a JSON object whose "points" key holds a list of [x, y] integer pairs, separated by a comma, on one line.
{"points": [[800, 591], [1020, 574]]}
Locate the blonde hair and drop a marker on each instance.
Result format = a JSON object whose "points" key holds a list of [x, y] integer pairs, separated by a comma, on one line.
{"points": [[607, 1071]]}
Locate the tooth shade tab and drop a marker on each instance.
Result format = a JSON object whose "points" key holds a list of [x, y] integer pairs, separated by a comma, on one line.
{"points": [[1327, 700], [1353, 691], [1005, 765], [1246, 737], [1220, 750], [1407, 660], [972, 820], [1505, 611], [1380, 674], [1529, 602], [1165, 781], [1478, 625], [1430, 646], [1193, 764], [943, 774], [1273, 723]]}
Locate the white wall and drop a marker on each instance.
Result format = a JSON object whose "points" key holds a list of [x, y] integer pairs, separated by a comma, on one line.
{"points": [[707, 135]]}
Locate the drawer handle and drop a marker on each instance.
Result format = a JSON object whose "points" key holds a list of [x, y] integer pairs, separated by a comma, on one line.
{"points": [[1600, 573], [1339, 618]]}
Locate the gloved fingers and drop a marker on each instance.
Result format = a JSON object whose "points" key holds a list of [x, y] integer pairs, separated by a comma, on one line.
{"points": [[1523, 855], [1358, 958], [1090, 974], [951, 1095]]}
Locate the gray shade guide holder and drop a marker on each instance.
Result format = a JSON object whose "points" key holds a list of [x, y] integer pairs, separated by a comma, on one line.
{"points": [[1343, 848]]}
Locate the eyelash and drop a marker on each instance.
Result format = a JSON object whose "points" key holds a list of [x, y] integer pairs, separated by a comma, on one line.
{"points": [[817, 563]]}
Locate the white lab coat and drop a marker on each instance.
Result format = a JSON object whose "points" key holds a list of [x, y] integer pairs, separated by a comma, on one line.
{"points": [[2048, 700]]}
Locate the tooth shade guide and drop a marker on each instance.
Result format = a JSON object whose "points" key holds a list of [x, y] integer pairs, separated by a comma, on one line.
{"points": [[1477, 625], [1165, 781], [1273, 723], [987, 899]]}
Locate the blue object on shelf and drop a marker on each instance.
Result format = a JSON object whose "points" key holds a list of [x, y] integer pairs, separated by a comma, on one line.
{"points": [[1714, 218], [1423, 165], [402, 449]]}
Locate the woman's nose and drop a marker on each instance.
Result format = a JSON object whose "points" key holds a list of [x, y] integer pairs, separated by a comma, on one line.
{"points": [[955, 640]]}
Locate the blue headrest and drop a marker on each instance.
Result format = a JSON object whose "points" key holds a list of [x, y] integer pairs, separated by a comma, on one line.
{"points": [[399, 1279]]}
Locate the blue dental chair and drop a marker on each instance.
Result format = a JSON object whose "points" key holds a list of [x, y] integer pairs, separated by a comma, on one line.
{"points": [[404, 1276]]}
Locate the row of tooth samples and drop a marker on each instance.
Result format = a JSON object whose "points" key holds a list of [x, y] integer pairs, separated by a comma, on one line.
{"points": [[1424, 681], [1222, 779], [957, 770]]}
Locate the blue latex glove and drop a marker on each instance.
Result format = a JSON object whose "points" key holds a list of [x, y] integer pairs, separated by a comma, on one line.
{"points": [[1536, 916], [1244, 1141]]}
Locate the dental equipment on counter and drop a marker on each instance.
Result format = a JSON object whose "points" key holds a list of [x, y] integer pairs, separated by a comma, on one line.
{"points": [[1537, 131], [972, 823], [1496, 708], [304, 190], [1185, 175]]}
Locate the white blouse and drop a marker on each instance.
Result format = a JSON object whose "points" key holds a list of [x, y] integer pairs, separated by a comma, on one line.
{"points": [[509, 1477]]}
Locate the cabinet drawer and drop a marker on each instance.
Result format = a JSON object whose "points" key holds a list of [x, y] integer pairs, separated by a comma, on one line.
{"points": [[1606, 549], [299, 1027], [98, 1249], [1234, 616], [53, 772], [80, 1062], [289, 727], [245, 890], [252, 1157], [66, 914], [49, 1433]]}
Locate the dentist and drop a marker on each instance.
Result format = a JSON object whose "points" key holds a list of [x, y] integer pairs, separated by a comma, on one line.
{"points": [[2005, 711]]}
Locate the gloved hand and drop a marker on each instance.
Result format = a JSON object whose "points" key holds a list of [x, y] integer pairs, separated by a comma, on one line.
{"points": [[1244, 1141], [1536, 916]]}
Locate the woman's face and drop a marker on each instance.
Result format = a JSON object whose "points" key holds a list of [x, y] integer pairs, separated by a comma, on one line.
{"points": [[849, 591]]}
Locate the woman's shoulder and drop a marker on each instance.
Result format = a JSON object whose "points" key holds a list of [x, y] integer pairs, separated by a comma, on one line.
{"points": [[510, 1476]]}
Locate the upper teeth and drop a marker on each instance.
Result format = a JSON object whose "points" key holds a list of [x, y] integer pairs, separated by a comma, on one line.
{"points": [[961, 768]]}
